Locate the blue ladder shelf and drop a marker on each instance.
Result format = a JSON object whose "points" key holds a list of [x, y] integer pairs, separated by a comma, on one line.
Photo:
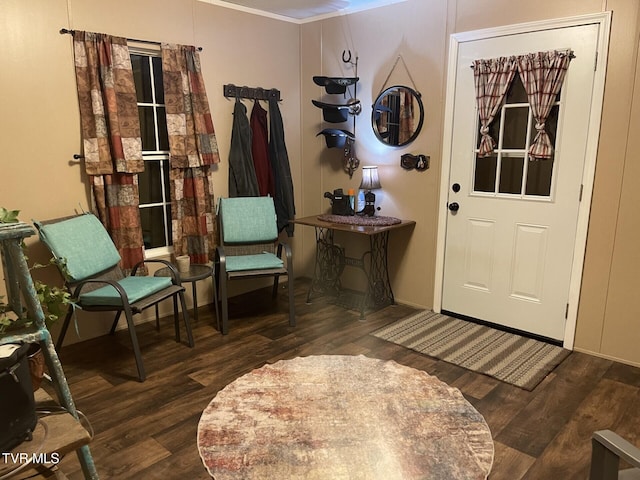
{"points": [[20, 288]]}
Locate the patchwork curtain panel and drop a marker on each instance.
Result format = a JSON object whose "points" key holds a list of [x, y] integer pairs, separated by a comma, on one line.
{"points": [[111, 137], [113, 147], [193, 150], [542, 74]]}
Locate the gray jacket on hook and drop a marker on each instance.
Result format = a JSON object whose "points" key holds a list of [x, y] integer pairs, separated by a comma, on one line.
{"points": [[284, 202], [242, 174]]}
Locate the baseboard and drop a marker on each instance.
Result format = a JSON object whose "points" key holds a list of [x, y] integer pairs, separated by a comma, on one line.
{"points": [[606, 357]]}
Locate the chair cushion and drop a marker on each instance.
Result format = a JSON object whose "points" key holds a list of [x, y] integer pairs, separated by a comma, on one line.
{"points": [[136, 288], [83, 243], [248, 220], [261, 261]]}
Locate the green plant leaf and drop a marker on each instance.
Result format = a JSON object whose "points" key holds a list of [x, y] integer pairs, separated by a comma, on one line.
{"points": [[8, 216]]}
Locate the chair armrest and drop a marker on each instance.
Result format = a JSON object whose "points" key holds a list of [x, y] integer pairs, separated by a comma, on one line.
{"points": [[287, 252], [288, 255], [152, 260], [175, 276], [221, 259], [619, 446]]}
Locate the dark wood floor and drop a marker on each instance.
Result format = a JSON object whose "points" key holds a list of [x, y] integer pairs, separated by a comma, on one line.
{"points": [[148, 430]]}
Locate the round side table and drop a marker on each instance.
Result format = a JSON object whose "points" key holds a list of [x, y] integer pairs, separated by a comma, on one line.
{"points": [[195, 273]]}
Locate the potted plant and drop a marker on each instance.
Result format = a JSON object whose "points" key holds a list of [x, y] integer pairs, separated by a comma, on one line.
{"points": [[54, 301]]}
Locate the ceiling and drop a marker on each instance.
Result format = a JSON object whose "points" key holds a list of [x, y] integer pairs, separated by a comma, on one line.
{"points": [[302, 11]]}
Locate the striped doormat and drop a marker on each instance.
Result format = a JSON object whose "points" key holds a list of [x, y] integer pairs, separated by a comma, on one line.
{"points": [[511, 358]]}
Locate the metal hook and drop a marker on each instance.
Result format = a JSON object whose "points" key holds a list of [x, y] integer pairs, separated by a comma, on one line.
{"points": [[346, 60]]}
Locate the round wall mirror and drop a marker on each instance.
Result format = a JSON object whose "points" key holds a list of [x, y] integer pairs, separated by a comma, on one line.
{"points": [[397, 115]]}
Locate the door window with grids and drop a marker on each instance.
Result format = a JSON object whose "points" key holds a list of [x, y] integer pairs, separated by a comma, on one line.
{"points": [[155, 199], [508, 171]]}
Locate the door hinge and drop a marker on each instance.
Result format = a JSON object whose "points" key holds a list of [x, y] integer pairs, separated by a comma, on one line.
{"points": [[581, 189], [595, 62], [566, 312]]}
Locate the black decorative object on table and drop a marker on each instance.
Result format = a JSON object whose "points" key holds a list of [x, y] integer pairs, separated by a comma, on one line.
{"points": [[340, 203]]}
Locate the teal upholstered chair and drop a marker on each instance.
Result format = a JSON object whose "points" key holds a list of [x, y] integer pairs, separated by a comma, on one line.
{"points": [[249, 248], [89, 262]]}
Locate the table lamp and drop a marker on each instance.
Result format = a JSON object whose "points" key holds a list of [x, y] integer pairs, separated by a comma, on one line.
{"points": [[370, 181]]}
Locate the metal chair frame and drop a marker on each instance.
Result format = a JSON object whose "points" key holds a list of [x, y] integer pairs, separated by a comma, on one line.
{"points": [[222, 276]]}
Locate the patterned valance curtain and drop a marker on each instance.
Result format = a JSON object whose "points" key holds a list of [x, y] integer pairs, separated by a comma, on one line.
{"points": [[492, 79], [542, 74], [193, 150], [111, 137]]}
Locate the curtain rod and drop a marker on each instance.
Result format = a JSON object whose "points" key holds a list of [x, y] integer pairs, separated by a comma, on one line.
{"points": [[71, 32], [567, 51]]}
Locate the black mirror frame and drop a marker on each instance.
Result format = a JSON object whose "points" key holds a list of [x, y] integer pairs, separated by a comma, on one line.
{"points": [[417, 130]]}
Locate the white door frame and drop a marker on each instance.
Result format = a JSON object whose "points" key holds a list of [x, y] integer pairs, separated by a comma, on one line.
{"points": [[602, 18]]}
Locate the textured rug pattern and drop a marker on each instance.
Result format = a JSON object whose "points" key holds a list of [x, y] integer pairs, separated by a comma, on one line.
{"points": [[511, 358], [375, 221], [341, 417]]}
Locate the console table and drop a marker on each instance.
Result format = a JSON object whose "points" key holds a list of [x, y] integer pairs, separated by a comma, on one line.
{"points": [[331, 258]]}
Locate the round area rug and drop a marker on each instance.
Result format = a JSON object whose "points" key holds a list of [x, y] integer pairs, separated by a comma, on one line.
{"points": [[334, 417]]}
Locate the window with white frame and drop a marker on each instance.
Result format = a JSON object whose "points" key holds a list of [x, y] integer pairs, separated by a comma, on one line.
{"points": [[508, 172], [155, 199]]}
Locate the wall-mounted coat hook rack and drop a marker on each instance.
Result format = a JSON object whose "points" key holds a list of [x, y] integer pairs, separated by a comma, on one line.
{"points": [[254, 93]]}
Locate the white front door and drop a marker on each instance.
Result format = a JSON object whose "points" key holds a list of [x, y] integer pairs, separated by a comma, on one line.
{"points": [[511, 224]]}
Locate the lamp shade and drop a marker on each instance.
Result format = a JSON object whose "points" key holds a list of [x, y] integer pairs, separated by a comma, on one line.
{"points": [[370, 180]]}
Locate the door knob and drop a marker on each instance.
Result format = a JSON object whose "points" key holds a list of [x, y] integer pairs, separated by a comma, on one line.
{"points": [[454, 207]]}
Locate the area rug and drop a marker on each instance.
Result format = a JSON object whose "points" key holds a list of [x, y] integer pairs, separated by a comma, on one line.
{"points": [[342, 417], [511, 358]]}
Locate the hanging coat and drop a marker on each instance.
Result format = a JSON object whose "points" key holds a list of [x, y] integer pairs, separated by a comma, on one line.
{"points": [[283, 199], [242, 175], [260, 150]]}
